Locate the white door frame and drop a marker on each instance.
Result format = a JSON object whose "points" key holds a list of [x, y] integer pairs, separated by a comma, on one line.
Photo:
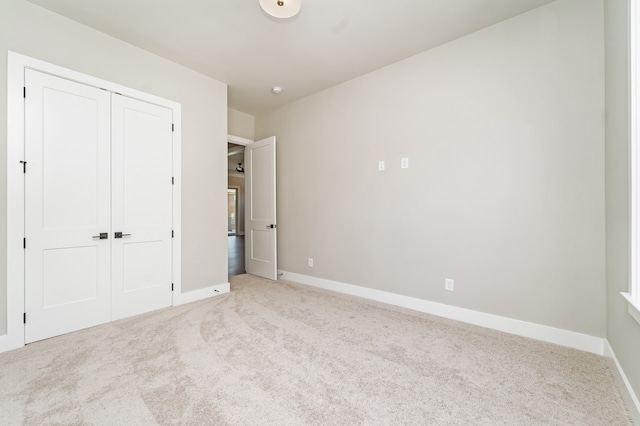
{"points": [[15, 182], [238, 140]]}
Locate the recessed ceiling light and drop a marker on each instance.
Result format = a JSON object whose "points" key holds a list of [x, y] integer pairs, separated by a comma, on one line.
{"points": [[281, 8], [276, 90]]}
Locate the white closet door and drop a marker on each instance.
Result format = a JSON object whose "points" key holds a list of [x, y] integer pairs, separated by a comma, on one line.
{"points": [[67, 195], [141, 211]]}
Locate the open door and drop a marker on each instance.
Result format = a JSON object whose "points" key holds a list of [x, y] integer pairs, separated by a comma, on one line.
{"points": [[260, 209]]}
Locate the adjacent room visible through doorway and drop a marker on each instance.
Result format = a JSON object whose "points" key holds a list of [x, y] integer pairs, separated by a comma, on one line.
{"points": [[235, 208], [236, 255], [232, 215]]}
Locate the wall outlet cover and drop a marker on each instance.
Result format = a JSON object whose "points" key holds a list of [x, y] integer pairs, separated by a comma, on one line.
{"points": [[448, 284]]}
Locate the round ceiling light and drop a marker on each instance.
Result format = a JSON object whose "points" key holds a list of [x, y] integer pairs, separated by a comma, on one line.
{"points": [[281, 8]]}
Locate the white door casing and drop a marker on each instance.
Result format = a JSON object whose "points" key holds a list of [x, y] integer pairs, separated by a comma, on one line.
{"points": [[67, 204], [141, 206], [260, 209]]}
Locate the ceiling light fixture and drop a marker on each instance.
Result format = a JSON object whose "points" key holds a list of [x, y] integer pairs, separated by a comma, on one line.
{"points": [[281, 8], [276, 90]]}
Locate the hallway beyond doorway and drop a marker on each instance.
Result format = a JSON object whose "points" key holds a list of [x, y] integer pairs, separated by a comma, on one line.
{"points": [[236, 255]]}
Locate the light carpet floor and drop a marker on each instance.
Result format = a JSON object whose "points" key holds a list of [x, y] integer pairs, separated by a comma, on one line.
{"points": [[272, 353]]}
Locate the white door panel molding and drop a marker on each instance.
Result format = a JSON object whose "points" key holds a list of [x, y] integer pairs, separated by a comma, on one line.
{"points": [[261, 257]]}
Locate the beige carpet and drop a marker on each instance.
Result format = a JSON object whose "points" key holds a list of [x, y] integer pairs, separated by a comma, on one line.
{"points": [[280, 354]]}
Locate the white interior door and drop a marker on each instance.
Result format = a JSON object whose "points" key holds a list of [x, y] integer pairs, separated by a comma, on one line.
{"points": [[142, 200], [67, 196], [261, 257]]}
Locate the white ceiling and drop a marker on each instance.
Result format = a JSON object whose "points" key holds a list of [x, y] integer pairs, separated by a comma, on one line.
{"points": [[329, 42]]}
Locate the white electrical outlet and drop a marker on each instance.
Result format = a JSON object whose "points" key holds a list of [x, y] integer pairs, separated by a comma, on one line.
{"points": [[380, 166], [448, 284], [310, 262], [404, 163]]}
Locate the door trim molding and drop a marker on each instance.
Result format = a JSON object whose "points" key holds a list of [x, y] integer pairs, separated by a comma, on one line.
{"points": [[15, 202], [15, 182], [238, 140]]}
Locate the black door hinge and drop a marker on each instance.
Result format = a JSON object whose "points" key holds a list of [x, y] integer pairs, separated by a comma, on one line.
{"points": [[24, 166], [24, 243], [173, 182], [172, 128], [172, 233], [24, 318], [171, 286], [24, 92]]}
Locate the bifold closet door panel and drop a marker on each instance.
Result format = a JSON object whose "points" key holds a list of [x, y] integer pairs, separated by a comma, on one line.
{"points": [[67, 205], [141, 206]]}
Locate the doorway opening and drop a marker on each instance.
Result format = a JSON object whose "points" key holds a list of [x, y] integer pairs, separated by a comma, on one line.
{"points": [[235, 209], [257, 196]]}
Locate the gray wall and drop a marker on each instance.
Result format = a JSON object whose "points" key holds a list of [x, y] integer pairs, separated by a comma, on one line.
{"points": [[240, 123], [505, 191], [623, 333], [36, 32]]}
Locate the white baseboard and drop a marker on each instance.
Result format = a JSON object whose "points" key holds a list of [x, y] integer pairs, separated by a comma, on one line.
{"points": [[627, 391], [203, 293], [11, 341], [545, 333], [5, 344]]}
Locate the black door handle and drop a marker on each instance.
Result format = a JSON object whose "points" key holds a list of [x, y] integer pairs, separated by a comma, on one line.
{"points": [[120, 235], [102, 236]]}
